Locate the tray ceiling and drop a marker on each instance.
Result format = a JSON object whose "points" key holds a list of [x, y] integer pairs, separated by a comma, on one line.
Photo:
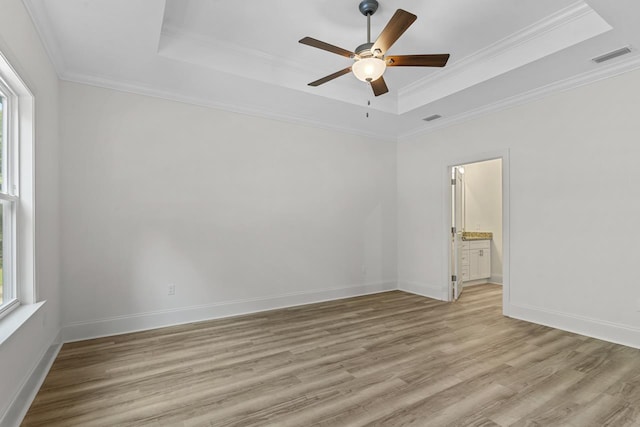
{"points": [[245, 56]]}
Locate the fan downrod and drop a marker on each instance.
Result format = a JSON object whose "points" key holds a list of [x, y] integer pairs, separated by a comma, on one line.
{"points": [[368, 7]]}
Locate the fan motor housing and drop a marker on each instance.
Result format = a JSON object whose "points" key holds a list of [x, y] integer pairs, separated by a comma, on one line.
{"points": [[368, 7], [364, 50]]}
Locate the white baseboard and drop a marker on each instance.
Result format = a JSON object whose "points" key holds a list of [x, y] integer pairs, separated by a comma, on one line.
{"points": [[423, 289], [600, 329], [469, 283], [480, 282], [32, 383], [496, 279], [158, 319]]}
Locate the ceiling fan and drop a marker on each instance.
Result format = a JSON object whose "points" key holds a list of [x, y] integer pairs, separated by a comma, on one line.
{"points": [[370, 59]]}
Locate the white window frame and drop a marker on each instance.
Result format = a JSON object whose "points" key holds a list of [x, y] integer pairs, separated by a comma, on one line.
{"points": [[9, 197], [18, 190]]}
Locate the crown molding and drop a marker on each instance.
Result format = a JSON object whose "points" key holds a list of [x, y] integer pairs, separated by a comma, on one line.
{"points": [[586, 78], [140, 89], [601, 73], [576, 11], [567, 27], [194, 48], [218, 46], [46, 34], [529, 33]]}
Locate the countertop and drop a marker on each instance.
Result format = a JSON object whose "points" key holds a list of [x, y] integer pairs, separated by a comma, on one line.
{"points": [[477, 235]]}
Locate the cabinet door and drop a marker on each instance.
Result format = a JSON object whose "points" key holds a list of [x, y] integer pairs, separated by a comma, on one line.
{"points": [[474, 264], [465, 264], [484, 264], [479, 264]]}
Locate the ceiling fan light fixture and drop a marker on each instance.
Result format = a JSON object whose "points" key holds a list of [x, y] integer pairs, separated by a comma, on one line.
{"points": [[369, 69], [369, 61]]}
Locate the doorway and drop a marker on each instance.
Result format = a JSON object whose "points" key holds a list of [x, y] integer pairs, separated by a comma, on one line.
{"points": [[478, 224]]}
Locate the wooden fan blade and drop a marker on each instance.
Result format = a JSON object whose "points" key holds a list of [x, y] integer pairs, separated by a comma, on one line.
{"points": [[331, 77], [397, 25], [439, 60], [326, 46], [379, 86]]}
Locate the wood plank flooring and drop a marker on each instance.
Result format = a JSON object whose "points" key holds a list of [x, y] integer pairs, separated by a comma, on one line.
{"points": [[391, 359]]}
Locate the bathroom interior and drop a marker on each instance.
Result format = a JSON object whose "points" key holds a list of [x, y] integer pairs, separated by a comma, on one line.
{"points": [[476, 247]]}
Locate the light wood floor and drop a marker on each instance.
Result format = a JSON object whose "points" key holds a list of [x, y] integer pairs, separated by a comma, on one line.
{"points": [[389, 359]]}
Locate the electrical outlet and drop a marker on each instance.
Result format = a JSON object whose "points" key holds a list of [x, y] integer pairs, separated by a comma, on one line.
{"points": [[172, 289]]}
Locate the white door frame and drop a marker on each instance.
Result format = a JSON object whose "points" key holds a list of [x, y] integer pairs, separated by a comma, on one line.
{"points": [[446, 227]]}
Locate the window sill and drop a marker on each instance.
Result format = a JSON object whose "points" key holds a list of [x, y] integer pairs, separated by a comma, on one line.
{"points": [[18, 317]]}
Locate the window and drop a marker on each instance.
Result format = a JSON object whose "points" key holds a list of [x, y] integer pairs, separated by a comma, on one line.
{"points": [[8, 198], [17, 237]]}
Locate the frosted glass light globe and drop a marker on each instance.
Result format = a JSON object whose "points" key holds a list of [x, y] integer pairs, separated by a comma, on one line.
{"points": [[369, 69]]}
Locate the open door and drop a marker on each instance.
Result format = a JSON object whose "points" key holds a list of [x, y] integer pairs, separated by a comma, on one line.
{"points": [[456, 231]]}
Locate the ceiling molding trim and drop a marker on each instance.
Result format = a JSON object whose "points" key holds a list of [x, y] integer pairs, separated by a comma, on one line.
{"points": [[567, 27], [529, 33], [223, 47], [139, 89], [589, 77], [47, 36], [192, 48], [161, 25]]}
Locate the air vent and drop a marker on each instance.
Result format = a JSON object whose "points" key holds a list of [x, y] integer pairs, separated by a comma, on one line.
{"points": [[611, 55], [432, 118]]}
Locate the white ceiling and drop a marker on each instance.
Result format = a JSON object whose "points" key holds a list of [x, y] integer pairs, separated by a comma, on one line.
{"points": [[245, 56]]}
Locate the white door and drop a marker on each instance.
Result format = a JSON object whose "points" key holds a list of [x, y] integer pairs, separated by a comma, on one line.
{"points": [[456, 232]]}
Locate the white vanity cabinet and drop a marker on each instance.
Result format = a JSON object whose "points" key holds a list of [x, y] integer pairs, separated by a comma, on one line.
{"points": [[476, 260], [465, 260]]}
